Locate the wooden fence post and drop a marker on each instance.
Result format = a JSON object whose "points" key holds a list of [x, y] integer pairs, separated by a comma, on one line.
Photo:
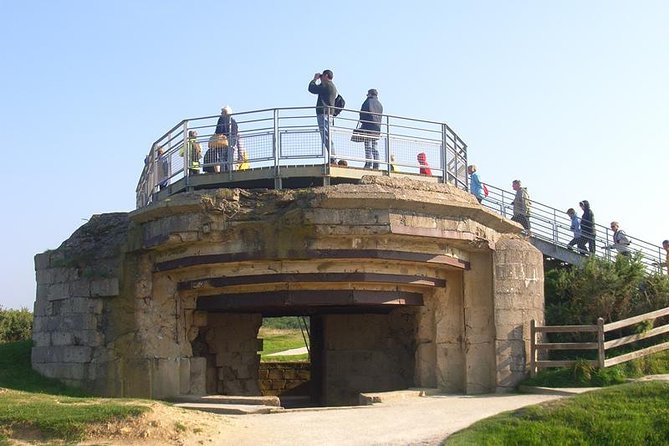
{"points": [[601, 353], [533, 348]]}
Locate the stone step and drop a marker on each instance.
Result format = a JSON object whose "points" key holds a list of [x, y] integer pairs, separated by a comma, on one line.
{"points": [[230, 409], [381, 397], [229, 399]]}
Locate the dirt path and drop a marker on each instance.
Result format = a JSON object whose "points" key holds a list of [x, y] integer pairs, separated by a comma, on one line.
{"points": [[415, 421]]}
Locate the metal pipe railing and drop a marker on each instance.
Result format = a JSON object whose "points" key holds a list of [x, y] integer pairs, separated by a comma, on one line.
{"points": [[277, 137], [553, 225]]}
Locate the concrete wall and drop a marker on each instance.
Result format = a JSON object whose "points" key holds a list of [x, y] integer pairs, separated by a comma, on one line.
{"points": [[110, 318], [367, 353], [232, 339], [284, 378]]}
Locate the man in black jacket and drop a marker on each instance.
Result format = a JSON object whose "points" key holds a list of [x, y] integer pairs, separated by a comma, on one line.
{"points": [[227, 126], [327, 92], [370, 124]]}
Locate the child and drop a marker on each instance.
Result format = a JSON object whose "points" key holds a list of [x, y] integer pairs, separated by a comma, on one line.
{"points": [[424, 166]]}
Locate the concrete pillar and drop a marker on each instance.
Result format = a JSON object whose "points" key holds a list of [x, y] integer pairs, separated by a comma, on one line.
{"points": [[479, 333], [449, 334], [519, 297]]}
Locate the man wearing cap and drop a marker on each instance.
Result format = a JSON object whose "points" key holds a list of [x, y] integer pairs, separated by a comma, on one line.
{"points": [[227, 126], [370, 124], [327, 92]]}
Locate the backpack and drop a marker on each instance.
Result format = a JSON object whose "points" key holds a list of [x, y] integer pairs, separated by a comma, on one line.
{"points": [[339, 103]]}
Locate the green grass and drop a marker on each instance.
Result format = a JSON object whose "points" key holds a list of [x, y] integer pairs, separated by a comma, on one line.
{"points": [[57, 416], [628, 414], [16, 372], [56, 411], [278, 340], [580, 376]]}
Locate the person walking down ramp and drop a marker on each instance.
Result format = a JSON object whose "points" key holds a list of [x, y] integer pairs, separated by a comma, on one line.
{"points": [[521, 205], [475, 185], [576, 229], [620, 241], [665, 245], [588, 231]]}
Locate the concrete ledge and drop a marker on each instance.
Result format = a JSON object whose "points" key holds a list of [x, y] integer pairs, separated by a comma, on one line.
{"points": [[562, 391], [382, 397], [272, 401], [230, 409]]}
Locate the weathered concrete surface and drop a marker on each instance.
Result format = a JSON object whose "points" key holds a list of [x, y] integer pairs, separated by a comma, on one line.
{"points": [[119, 304]]}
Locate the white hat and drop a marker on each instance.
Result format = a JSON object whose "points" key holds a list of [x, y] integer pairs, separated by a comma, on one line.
{"points": [[227, 109]]}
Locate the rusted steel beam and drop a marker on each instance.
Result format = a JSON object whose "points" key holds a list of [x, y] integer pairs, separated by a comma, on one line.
{"points": [[395, 279], [322, 254], [307, 299]]}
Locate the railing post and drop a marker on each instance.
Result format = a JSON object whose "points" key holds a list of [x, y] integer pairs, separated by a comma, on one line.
{"points": [[533, 348], [276, 149], [555, 227], [444, 157], [601, 352], [327, 131], [153, 175], [388, 165], [187, 155]]}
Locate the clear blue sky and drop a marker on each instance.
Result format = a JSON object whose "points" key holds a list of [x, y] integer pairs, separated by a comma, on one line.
{"points": [[570, 96]]}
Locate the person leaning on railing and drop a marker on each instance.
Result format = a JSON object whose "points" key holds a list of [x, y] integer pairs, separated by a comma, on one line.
{"points": [[163, 168], [194, 151]]}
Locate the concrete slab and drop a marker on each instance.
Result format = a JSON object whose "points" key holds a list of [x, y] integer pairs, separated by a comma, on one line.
{"points": [[229, 399], [230, 409], [384, 397], [562, 391]]}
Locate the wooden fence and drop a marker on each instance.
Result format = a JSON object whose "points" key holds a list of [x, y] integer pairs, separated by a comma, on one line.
{"points": [[601, 344]]}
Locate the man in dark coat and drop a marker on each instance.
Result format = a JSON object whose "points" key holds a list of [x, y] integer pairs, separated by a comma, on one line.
{"points": [[227, 126], [370, 124], [327, 93], [588, 230]]}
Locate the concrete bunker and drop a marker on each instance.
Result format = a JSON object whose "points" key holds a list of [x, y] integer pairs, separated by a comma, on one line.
{"points": [[407, 284]]}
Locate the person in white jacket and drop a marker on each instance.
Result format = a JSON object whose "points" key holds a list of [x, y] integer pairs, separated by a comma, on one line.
{"points": [[620, 241]]}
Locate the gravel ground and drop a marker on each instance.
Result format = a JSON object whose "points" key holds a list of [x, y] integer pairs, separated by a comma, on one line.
{"points": [[411, 421]]}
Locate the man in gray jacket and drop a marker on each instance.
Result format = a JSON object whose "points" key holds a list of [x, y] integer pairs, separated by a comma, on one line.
{"points": [[521, 205], [327, 92]]}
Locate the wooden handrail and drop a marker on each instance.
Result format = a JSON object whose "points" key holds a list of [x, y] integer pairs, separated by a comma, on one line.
{"points": [[600, 345], [636, 319]]}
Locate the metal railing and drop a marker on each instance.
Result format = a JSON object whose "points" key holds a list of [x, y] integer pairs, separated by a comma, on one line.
{"points": [[553, 226], [274, 138]]}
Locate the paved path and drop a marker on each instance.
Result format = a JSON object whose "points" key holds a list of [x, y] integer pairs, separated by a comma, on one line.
{"points": [[291, 352], [412, 421]]}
